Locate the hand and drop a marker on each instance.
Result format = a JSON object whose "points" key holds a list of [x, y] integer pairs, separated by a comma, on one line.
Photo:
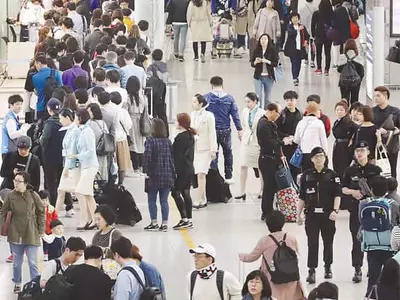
{"points": [[333, 216], [287, 141], [258, 60], [241, 256], [15, 171], [240, 134], [213, 155], [396, 130], [65, 173], [283, 159], [381, 131], [357, 194], [42, 235], [300, 220], [282, 21], [301, 27]]}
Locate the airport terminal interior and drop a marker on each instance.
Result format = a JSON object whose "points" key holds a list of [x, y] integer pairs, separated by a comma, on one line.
{"points": [[234, 227]]}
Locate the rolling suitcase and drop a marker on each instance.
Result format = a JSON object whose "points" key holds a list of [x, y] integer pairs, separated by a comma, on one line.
{"points": [[286, 201]]}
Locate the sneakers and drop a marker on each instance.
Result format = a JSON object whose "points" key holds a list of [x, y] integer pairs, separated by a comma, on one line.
{"points": [[311, 276], [296, 82], [230, 181], [213, 56], [17, 289], [326, 73], [70, 213], [312, 65], [45, 257], [357, 278], [181, 58], [183, 224], [318, 71], [152, 227], [10, 259], [202, 58], [328, 272], [196, 58], [163, 228]]}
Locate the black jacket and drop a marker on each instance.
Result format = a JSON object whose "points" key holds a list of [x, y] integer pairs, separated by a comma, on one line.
{"points": [[267, 135], [381, 117], [319, 23], [92, 40], [183, 148], [177, 11], [51, 141], [341, 22], [271, 54], [286, 128], [290, 45], [83, 9]]}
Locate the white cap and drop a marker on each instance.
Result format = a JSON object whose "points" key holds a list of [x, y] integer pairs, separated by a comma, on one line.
{"points": [[204, 248]]}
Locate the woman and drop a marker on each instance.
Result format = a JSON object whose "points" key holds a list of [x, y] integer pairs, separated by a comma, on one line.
{"points": [[183, 149], [343, 129], [200, 23], [341, 25], [88, 165], [325, 290], [117, 17], [70, 102], [158, 165], [322, 19], [136, 105], [267, 22], [141, 47], [71, 172], [26, 226], [99, 127], [351, 93], [205, 144], [265, 58], [44, 33], [31, 13], [241, 24], [256, 287], [355, 112], [296, 44], [249, 147], [310, 133], [266, 248]]}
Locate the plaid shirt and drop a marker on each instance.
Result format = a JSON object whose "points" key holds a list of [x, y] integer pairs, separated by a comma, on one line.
{"points": [[158, 162]]}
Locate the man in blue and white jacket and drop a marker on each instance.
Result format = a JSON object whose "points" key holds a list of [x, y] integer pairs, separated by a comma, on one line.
{"points": [[223, 106]]}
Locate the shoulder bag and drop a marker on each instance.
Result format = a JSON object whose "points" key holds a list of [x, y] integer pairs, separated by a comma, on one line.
{"points": [[106, 144], [145, 122], [297, 159], [128, 137], [382, 160]]}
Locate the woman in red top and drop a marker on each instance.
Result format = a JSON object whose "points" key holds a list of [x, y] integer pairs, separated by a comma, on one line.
{"points": [[51, 214]]}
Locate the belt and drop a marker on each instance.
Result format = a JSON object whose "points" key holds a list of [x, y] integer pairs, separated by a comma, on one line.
{"points": [[342, 140]]}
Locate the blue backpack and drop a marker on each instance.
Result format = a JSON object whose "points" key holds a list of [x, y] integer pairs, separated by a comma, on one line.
{"points": [[375, 219]]}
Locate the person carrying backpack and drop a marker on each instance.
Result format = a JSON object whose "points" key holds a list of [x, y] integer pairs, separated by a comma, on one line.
{"points": [[279, 259], [376, 222], [351, 71]]}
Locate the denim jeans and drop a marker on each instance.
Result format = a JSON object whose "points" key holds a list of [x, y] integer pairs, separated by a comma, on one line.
{"points": [[224, 140], [18, 252], [152, 198], [264, 83], [296, 66], [180, 34]]}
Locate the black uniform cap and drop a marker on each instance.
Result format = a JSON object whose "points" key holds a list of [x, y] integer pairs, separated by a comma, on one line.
{"points": [[361, 144], [317, 150]]}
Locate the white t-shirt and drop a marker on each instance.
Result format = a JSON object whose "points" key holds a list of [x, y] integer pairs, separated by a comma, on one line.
{"points": [[50, 269], [121, 91]]}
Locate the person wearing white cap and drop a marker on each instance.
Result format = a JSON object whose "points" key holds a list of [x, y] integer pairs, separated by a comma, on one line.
{"points": [[207, 282]]}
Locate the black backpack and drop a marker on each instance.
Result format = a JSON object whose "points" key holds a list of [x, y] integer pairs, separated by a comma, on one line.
{"points": [[349, 77], [149, 293], [50, 86], [285, 267], [35, 132], [57, 287], [31, 290], [220, 283], [106, 144]]}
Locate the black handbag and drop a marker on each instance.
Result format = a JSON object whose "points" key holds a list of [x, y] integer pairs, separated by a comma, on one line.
{"points": [[128, 137], [106, 144]]}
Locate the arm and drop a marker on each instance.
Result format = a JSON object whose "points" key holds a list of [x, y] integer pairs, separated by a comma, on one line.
{"points": [[209, 17], [147, 155], [278, 25], [297, 137], [314, 21], [57, 77], [40, 213], [34, 170], [234, 287], [48, 271], [189, 14], [168, 9], [44, 140], [212, 133], [257, 23], [122, 287], [4, 210], [235, 116], [90, 143], [255, 254], [322, 138], [13, 133], [301, 203], [7, 170], [395, 239]]}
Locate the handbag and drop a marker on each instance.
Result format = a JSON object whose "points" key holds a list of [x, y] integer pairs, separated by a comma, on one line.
{"points": [[278, 71], [145, 122], [106, 144], [128, 137], [283, 177], [354, 28], [6, 224], [297, 159], [382, 160], [373, 291]]}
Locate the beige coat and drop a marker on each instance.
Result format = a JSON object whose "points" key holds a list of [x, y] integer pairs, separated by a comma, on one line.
{"points": [[251, 15], [204, 123], [241, 22], [267, 21], [200, 22]]}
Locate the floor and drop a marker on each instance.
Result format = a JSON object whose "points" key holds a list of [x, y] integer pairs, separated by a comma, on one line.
{"points": [[233, 227]]}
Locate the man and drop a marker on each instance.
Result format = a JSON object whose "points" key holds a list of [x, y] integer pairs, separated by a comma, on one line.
{"points": [[270, 154], [132, 70], [125, 4], [320, 193], [113, 78], [73, 251], [127, 286], [223, 106], [67, 25], [109, 111], [283, 8], [11, 126], [177, 19], [324, 118], [387, 117], [101, 50], [69, 76], [20, 160], [354, 189], [94, 38], [99, 79], [39, 82], [80, 24], [88, 280], [207, 282], [111, 61], [83, 8]]}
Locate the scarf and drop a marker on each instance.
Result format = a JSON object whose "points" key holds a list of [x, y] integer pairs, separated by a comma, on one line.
{"points": [[298, 37], [207, 272]]}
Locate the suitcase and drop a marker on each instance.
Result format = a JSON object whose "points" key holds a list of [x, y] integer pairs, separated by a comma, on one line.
{"points": [[217, 190], [287, 203], [252, 46]]}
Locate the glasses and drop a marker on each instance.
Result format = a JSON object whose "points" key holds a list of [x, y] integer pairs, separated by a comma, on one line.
{"points": [[18, 181], [320, 156], [278, 112]]}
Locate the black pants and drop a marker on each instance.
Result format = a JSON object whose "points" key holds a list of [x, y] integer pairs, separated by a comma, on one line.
{"points": [[284, 25], [357, 256], [52, 175], [351, 94], [137, 160], [316, 223], [196, 48], [268, 165], [393, 163], [181, 195], [376, 260], [306, 163], [327, 50]]}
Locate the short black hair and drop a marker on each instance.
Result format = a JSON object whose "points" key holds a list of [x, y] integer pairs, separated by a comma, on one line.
{"points": [[67, 22], [96, 112], [93, 252], [71, 5], [392, 184], [44, 194], [82, 96], [379, 186], [98, 23], [252, 96], [143, 25], [78, 56], [103, 98], [314, 98], [113, 76], [121, 51], [72, 44], [106, 19], [106, 212], [123, 247], [99, 74], [107, 40], [272, 107], [56, 222], [294, 14], [101, 48], [112, 48], [116, 98], [290, 95], [61, 46], [130, 55], [275, 221], [157, 55], [52, 52], [97, 90], [131, 43], [15, 99], [383, 90], [118, 28], [216, 81], [126, 12], [67, 113], [41, 59], [81, 82], [82, 115], [75, 244], [121, 40], [356, 106], [201, 99]]}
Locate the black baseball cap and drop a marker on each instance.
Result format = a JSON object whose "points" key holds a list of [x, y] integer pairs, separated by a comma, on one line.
{"points": [[24, 142], [55, 223], [361, 144], [54, 104], [317, 150]]}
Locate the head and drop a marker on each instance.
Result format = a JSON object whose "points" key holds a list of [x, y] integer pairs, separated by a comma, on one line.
{"points": [[351, 45], [40, 61], [52, 53], [326, 290], [70, 102], [54, 106], [121, 41], [204, 255], [379, 186], [57, 227], [104, 216], [355, 112], [93, 255], [290, 98], [99, 75], [126, 12], [116, 98], [95, 92], [314, 98], [121, 60], [117, 14], [71, 6], [143, 25], [106, 40], [273, 112], [96, 14], [67, 23], [198, 102], [269, 4], [94, 111], [101, 48], [251, 100], [78, 57], [104, 98], [111, 57], [392, 184], [72, 45], [15, 103], [318, 157], [275, 221], [134, 31], [257, 284], [61, 48], [130, 57], [22, 182], [183, 122], [44, 33], [368, 114], [113, 77], [136, 253], [312, 108], [157, 55], [216, 82], [381, 96], [106, 19], [74, 249], [67, 117], [158, 129], [264, 41], [82, 96], [122, 250], [112, 48], [119, 29], [44, 196], [124, 4], [24, 144], [131, 43], [341, 108], [361, 151], [294, 18], [82, 117]]}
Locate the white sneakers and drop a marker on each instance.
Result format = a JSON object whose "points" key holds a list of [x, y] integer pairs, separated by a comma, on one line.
{"points": [[70, 213]]}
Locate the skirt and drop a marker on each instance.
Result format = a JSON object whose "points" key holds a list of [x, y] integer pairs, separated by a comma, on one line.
{"points": [[249, 156], [69, 183], [123, 156], [202, 161], [86, 180]]}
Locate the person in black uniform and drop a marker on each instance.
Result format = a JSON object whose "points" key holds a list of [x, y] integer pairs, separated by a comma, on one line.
{"points": [[320, 192], [354, 191], [270, 154]]}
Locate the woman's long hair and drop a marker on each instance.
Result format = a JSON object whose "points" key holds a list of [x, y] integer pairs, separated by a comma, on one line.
{"points": [[183, 120], [266, 291], [134, 31], [133, 89], [325, 11], [158, 129], [197, 3], [270, 47], [43, 34]]}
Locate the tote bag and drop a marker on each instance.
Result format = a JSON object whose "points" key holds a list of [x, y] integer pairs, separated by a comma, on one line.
{"points": [[382, 160], [297, 158]]}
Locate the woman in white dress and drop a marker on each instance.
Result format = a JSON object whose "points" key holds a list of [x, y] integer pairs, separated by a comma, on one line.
{"points": [[205, 145], [249, 148]]}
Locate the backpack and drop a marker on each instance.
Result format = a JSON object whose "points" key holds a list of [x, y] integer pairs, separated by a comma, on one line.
{"points": [[375, 220], [349, 77], [220, 283], [127, 211], [35, 132], [31, 290], [149, 293], [57, 287], [50, 86], [106, 144], [285, 265]]}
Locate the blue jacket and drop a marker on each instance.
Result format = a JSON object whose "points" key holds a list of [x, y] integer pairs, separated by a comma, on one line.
{"points": [[87, 148], [7, 144], [217, 5], [223, 106], [153, 276], [70, 145], [39, 82]]}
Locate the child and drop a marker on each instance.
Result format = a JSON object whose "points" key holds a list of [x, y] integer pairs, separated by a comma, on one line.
{"points": [[56, 240], [226, 18], [51, 215]]}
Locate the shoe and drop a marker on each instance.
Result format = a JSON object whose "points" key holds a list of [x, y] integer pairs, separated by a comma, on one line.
{"points": [[243, 197], [326, 73], [318, 71], [259, 196], [202, 205], [190, 225], [262, 217], [152, 227], [45, 257], [17, 289], [163, 228], [70, 213], [296, 82], [357, 278], [82, 228], [196, 59], [181, 225], [202, 58], [311, 276], [237, 55], [214, 56], [312, 65], [91, 226], [10, 259], [328, 272], [230, 181], [176, 55], [181, 58]]}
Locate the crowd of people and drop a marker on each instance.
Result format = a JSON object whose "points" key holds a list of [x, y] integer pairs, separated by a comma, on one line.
{"points": [[87, 118]]}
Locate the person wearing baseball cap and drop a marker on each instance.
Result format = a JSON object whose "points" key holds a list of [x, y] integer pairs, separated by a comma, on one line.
{"points": [[362, 170], [320, 192], [207, 282]]}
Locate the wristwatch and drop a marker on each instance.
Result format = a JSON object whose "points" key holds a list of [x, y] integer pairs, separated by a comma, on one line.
{"points": [[336, 211]]}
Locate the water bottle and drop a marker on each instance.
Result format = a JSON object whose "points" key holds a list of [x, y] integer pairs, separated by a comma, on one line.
{"points": [[272, 266]]}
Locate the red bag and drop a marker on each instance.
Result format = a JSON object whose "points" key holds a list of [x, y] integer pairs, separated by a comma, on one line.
{"points": [[354, 30], [6, 224]]}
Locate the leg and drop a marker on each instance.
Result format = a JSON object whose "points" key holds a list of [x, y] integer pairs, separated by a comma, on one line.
{"points": [[18, 252], [327, 49], [226, 144], [345, 93], [180, 204], [214, 163], [376, 260], [176, 29], [84, 218], [164, 192], [51, 174], [258, 86], [121, 177], [152, 201], [69, 203], [243, 179], [241, 41], [267, 168], [335, 54], [203, 46], [32, 254], [188, 203], [201, 178], [354, 94], [134, 159], [298, 67], [318, 46], [357, 255], [60, 201], [182, 46], [312, 226], [328, 230], [393, 163], [268, 84], [196, 50], [91, 206]]}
